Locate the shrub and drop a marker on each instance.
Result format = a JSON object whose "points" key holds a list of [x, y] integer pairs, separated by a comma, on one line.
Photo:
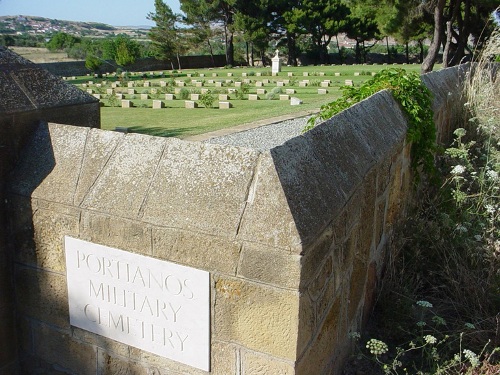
{"points": [[207, 99], [184, 93], [242, 92]]}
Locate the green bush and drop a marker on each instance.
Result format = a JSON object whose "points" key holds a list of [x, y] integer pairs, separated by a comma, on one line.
{"points": [[184, 93], [207, 99]]}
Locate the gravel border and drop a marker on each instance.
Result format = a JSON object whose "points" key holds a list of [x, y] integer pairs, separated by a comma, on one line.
{"points": [[264, 137]]}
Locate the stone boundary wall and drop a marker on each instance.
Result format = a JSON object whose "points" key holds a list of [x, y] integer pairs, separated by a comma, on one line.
{"points": [[77, 68], [15, 130], [294, 238]]}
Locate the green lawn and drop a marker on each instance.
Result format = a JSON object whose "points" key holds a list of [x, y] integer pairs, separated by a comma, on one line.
{"points": [[177, 121]]}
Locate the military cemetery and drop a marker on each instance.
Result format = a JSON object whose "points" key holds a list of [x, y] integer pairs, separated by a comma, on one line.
{"points": [[133, 251]]}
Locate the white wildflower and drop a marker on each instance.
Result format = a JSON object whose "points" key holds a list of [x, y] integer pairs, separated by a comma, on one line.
{"points": [[429, 339], [377, 347], [458, 169], [472, 357], [424, 304], [490, 209], [492, 175]]}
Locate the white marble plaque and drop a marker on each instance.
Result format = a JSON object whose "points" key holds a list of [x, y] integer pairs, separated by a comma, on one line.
{"points": [[154, 305]]}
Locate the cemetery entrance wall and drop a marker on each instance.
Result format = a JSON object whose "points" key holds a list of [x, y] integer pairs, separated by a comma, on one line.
{"points": [[293, 239]]}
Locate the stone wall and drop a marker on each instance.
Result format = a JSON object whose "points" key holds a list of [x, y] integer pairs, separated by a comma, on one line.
{"points": [[294, 238]]}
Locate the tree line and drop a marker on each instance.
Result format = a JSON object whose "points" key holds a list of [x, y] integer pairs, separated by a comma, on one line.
{"points": [[458, 27]]}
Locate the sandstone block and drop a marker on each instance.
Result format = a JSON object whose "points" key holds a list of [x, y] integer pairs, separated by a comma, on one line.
{"points": [[169, 96], [109, 364], [116, 232], [254, 364], [290, 91], [60, 350], [42, 296], [260, 263], [131, 91], [322, 91], [253, 97], [127, 104], [295, 101], [196, 250], [128, 173], [144, 96], [50, 227], [223, 97], [195, 96], [179, 197], [257, 317], [318, 355], [261, 91], [284, 97]]}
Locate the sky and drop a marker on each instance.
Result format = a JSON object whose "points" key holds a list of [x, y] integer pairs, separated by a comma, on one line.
{"points": [[112, 12]]}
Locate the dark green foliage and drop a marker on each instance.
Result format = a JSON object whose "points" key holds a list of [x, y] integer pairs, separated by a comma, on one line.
{"points": [[415, 100], [60, 41]]}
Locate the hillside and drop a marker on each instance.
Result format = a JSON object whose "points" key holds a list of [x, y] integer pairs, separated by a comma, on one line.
{"points": [[21, 24]]}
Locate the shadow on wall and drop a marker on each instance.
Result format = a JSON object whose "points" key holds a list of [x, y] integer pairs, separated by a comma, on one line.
{"points": [[335, 179], [40, 280]]}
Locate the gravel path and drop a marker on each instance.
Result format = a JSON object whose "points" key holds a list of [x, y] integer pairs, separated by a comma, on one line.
{"points": [[265, 137]]}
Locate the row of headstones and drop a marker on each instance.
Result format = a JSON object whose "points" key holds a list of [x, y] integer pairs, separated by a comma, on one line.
{"points": [[303, 83], [196, 96], [223, 104], [181, 83]]}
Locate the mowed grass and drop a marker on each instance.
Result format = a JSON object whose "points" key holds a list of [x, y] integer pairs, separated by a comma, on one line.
{"points": [[177, 121]]}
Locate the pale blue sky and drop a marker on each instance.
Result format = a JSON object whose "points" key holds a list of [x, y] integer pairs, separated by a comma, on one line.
{"points": [[113, 12]]}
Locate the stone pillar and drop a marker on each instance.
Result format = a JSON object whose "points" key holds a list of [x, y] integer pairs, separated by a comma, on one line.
{"points": [[276, 67]]}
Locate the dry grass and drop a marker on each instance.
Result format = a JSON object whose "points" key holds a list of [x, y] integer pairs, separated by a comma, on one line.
{"points": [[41, 55]]}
